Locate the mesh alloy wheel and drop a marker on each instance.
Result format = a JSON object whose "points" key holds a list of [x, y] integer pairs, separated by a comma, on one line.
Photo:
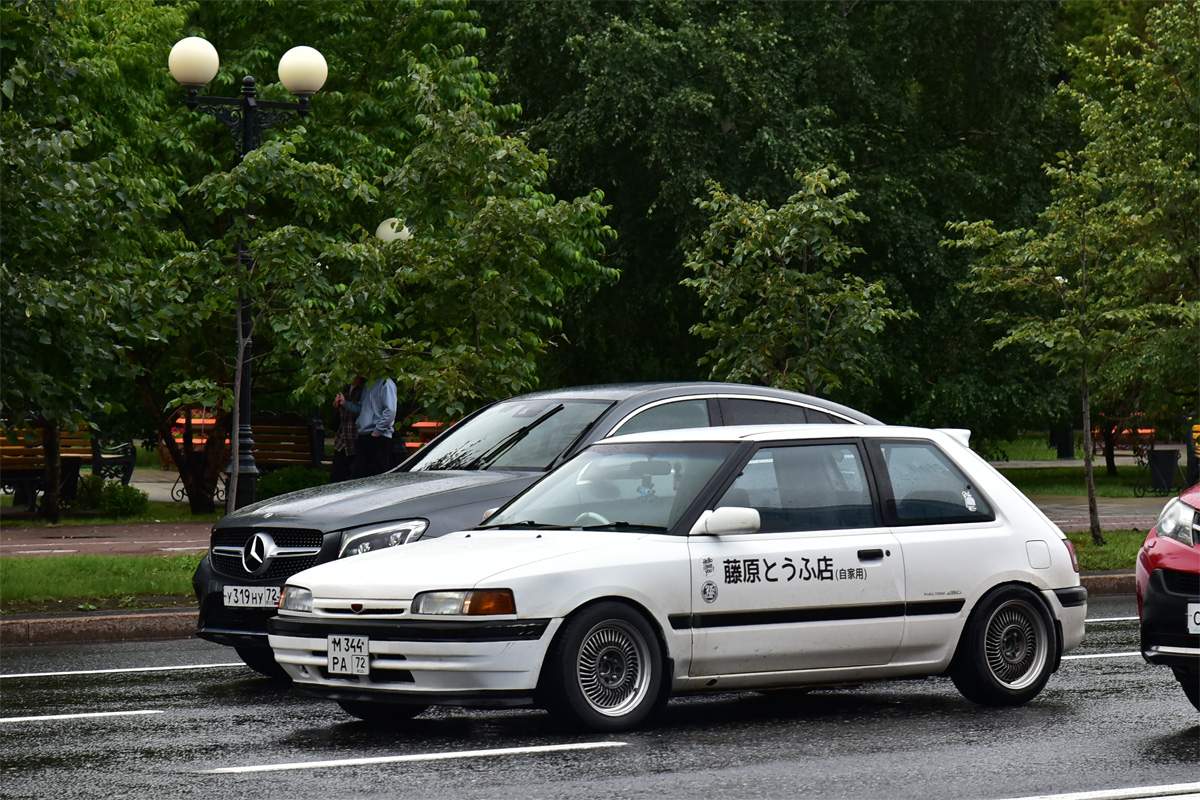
{"points": [[612, 667], [1015, 644]]}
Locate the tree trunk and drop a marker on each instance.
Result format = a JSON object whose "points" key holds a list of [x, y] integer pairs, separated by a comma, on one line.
{"points": [[1089, 475], [51, 507]]}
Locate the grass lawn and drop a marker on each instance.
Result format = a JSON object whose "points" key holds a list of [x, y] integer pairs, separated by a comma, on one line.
{"points": [[87, 582], [1070, 480], [1119, 551]]}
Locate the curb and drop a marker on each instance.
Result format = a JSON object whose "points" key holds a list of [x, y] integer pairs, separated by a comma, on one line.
{"points": [[147, 626], [135, 627]]}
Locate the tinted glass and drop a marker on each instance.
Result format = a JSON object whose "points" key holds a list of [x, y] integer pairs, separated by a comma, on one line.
{"points": [[805, 488], [740, 411], [668, 417], [927, 488], [512, 435], [619, 487]]}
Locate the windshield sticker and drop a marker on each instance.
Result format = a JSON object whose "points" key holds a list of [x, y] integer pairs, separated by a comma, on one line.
{"points": [[968, 500], [762, 570], [709, 592]]}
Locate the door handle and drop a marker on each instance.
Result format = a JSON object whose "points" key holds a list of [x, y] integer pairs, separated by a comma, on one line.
{"points": [[870, 555]]}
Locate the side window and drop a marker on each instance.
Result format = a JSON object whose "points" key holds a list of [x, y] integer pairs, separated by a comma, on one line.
{"points": [[927, 488], [805, 488], [740, 411], [668, 416]]}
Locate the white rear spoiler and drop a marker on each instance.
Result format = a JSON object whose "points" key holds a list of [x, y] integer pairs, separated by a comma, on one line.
{"points": [[962, 435]]}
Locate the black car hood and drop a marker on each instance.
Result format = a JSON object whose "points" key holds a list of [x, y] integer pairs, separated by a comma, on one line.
{"points": [[366, 500]]}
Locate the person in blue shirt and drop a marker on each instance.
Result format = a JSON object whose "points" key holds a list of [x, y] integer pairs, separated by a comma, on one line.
{"points": [[376, 411]]}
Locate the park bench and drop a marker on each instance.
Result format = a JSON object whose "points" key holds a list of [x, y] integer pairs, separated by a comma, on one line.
{"points": [[23, 463]]}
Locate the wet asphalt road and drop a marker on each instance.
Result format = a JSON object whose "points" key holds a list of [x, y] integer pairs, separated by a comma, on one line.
{"points": [[1102, 723]]}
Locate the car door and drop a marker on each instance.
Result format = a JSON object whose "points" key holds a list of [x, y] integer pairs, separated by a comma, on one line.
{"points": [[953, 544], [819, 585]]}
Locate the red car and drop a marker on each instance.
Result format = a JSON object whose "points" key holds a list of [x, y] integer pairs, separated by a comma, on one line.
{"points": [[1168, 591]]}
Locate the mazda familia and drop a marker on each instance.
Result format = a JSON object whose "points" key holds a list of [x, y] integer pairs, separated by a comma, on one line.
{"points": [[661, 564]]}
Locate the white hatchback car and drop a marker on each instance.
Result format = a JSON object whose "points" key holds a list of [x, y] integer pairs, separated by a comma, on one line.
{"points": [[667, 563]]}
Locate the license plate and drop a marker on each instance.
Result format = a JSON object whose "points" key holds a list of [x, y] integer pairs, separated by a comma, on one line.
{"points": [[1193, 617], [348, 655], [252, 596]]}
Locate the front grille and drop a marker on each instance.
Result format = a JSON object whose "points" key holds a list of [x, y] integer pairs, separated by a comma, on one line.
{"points": [[1181, 582], [283, 566], [284, 537]]}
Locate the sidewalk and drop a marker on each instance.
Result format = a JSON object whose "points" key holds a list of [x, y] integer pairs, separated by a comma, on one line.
{"points": [[1069, 513]]}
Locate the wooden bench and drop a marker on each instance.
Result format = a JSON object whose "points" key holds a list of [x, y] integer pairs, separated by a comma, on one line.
{"points": [[280, 443], [23, 463]]}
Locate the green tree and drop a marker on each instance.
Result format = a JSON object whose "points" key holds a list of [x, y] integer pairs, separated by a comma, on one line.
{"points": [[649, 101], [1110, 276], [80, 213], [778, 305]]}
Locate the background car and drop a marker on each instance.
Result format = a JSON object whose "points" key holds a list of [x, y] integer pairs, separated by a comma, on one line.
{"points": [[746, 558], [1168, 591], [473, 467]]}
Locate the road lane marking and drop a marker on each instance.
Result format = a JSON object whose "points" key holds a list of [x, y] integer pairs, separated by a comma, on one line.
{"points": [[126, 669], [80, 716], [1112, 619], [1102, 655], [358, 762], [1177, 790]]}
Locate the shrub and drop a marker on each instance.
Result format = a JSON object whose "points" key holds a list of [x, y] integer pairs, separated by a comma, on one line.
{"points": [[90, 489], [289, 479], [119, 500]]}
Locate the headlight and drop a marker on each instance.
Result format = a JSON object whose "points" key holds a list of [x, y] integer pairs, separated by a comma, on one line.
{"points": [[378, 537], [1178, 521], [471, 603], [295, 598]]}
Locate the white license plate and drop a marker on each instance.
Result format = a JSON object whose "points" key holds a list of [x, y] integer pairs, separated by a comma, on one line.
{"points": [[348, 655], [1193, 617], [252, 596]]}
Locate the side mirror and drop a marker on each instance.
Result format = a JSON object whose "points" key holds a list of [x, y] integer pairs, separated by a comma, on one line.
{"points": [[488, 513], [730, 519]]}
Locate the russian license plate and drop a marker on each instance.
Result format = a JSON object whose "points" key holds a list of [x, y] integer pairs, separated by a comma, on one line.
{"points": [[348, 655], [1193, 617], [252, 596]]}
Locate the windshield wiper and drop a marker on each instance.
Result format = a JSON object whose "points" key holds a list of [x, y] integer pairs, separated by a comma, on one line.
{"points": [[525, 524], [623, 525], [508, 442]]}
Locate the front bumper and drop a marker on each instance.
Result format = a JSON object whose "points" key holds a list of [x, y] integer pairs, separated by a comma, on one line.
{"points": [[235, 627], [469, 663], [1164, 627]]}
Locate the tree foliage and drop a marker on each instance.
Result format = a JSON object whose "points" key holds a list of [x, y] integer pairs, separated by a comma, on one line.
{"points": [[1108, 281], [779, 307]]}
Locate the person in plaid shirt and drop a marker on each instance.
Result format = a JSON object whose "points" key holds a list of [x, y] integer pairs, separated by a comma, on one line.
{"points": [[347, 431]]}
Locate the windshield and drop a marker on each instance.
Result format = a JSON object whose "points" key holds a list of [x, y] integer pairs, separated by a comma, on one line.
{"points": [[619, 487], [516, 434]]}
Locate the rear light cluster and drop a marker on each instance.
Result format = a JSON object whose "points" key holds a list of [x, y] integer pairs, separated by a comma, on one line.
{"points": [[1071, 550]]}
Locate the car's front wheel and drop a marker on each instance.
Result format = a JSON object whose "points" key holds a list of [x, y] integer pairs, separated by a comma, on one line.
{"points": [[1007, 649], [381, 713], [262, 660], [604, 671], [1189, 680]]}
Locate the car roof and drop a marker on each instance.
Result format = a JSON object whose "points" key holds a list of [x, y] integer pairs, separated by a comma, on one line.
{"points": [[655, 390], [737, 433]]}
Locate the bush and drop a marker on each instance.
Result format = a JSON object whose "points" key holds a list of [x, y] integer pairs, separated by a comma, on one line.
{"points": [[119, 500], [290, 479], [90, 489]]}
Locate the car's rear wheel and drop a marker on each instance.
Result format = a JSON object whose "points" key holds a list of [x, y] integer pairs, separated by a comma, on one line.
{"points": [[604, 671], [381, 713], [262, 660], [1006, 652], [1189, 681]]}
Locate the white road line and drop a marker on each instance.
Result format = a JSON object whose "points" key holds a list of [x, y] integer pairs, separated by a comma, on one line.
{"points": [[1181, 791], [1102, 655], [36, 552], [357, 762], [127, 669], [80, 716], [1112, 619]]}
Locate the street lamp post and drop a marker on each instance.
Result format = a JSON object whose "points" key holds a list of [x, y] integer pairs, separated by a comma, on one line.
{"points": [[302, 71]]}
